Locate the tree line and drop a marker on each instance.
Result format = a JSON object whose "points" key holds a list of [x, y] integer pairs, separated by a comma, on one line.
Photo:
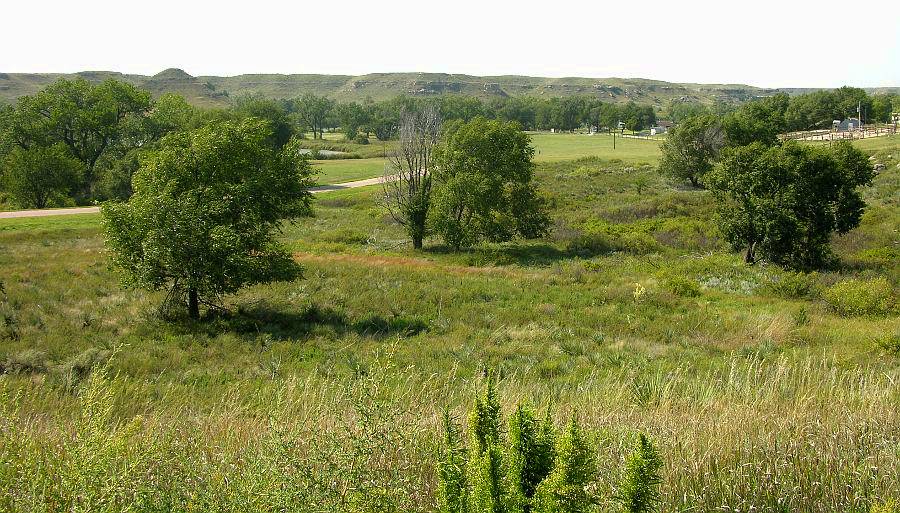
{"points": [[383, 118], [781, 113], [76, 142]]}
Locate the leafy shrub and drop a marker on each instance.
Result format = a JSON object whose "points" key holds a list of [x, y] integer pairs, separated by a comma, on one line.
{"points": [[361, 139], [861, 297], [683, 232], [588, 245], [566, 489], [487, 492], [28, 361], [889, 506], [451, 469], [531, 454], [532, 470], [882, 257], [890, 343], [639, 490], [679, 285], [793, 285], [629, 238]]}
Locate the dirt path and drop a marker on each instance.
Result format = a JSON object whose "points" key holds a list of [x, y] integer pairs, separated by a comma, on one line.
{"points": [[49, 212], [93, 210], [347, 185]]}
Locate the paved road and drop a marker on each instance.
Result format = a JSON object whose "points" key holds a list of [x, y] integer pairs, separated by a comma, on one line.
{"points": [[94, 210]]}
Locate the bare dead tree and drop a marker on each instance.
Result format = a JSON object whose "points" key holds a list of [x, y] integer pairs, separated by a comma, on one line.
{"points": [[409, 173]]}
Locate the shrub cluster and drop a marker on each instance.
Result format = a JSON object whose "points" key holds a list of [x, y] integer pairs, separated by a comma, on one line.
{"points": [[679, 285], [861, 297], [533, 467], [793, 285]]}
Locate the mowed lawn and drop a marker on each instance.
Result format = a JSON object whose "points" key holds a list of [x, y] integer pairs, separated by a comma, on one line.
{"points": [[555, 147], [348, 170], [548, 148]]}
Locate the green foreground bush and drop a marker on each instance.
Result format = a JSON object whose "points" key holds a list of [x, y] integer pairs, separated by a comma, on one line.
{"points": [[534, 468], [861, 297]]}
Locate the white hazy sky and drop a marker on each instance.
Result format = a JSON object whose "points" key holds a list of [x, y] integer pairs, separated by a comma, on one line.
{"points": [[783, 43]]}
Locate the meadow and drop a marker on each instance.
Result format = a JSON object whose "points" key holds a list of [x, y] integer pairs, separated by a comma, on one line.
{"points": [[764, 390], [549, 147]]}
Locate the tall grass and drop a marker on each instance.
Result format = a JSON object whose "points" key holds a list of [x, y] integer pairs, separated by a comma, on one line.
{"points": [[755, 436], [758, 394]]}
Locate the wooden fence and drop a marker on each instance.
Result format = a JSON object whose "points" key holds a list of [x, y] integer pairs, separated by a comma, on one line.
{"points": [[831, 135]]}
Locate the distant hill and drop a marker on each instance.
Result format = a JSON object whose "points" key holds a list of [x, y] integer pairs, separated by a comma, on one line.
{"points": [[216, 91]]}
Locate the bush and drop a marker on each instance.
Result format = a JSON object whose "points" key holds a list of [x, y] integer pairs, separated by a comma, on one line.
{"points": [[361, 139], [451, 469], [889, 506], [882, 257], [601, 237], [532, 470], [531, 453], [639, 491], [566, 488], [679, 285], [793, 285], [861, 297], [586, 246], [890, 343], [28, 361]]}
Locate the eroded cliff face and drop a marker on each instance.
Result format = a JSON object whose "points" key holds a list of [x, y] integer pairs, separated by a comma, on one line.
{"points": [[216, 91]]}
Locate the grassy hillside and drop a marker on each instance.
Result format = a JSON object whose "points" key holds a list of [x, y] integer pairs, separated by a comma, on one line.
{"points": [[215, 90], [329, 390]]}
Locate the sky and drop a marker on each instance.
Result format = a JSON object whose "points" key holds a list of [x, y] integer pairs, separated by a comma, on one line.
{"points": [[784, 43]]}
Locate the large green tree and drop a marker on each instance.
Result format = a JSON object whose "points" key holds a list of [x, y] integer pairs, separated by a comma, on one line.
{"points": [[485, 185], [691, 149], [883, 106], [90, 119], [271, 111], [757, 121], [170, 112], [783, 203], [205, 205], [638, 117], [36, 175], [314, 112], [352, 117]]}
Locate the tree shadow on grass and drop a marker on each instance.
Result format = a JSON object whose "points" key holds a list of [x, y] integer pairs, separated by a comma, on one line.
{"points": [[310, 320], [525, 254]]}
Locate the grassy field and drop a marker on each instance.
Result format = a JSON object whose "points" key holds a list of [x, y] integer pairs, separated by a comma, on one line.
{"points": [[329, 390], [548, 148], [348, 170], [555, 147]]}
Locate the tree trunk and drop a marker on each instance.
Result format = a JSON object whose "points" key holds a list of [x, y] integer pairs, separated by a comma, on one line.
{"points": [[750, 256], [193, 304], [417, 242]]}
